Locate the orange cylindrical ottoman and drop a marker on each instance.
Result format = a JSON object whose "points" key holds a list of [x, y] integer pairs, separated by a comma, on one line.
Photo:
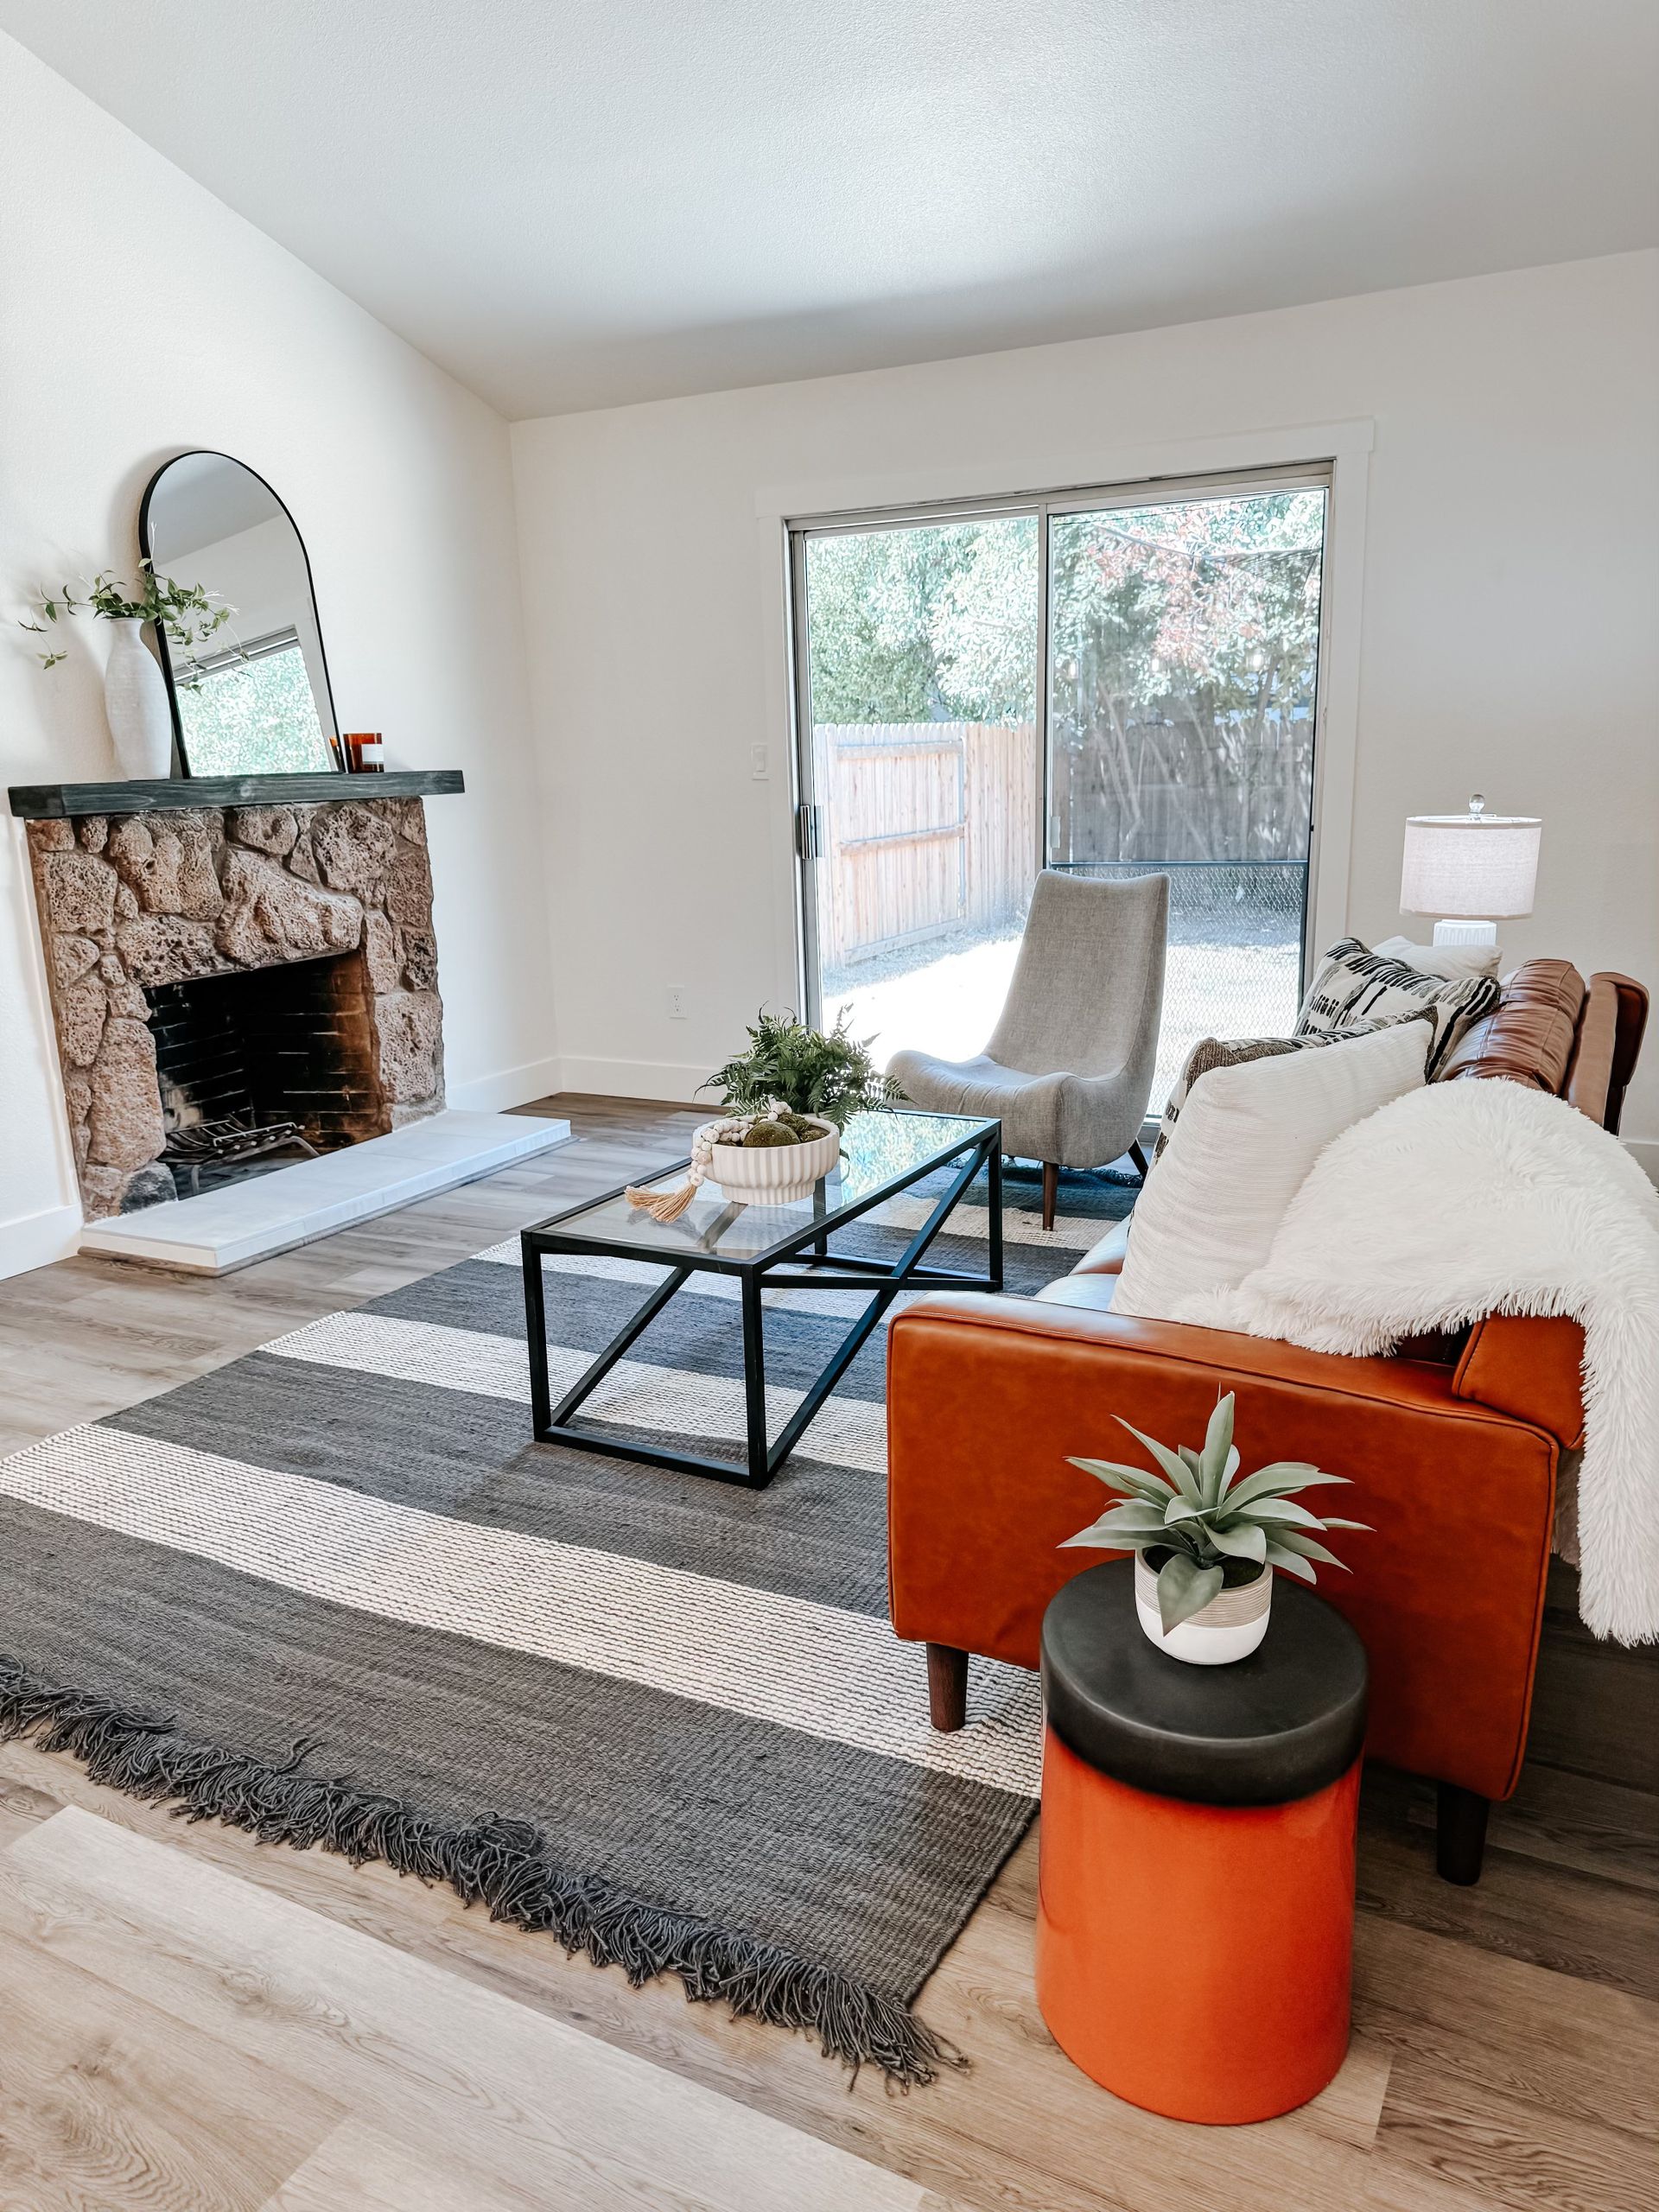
{"points": [[1195, 1918]]}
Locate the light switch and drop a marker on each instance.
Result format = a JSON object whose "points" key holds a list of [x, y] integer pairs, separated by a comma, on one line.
{"points": [[758, 769]]}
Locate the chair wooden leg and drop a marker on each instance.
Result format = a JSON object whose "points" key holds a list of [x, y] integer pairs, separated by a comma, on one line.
{"points": [[1460, 1833], [947, 1687], [1050, 1191], [1139, 1158]]}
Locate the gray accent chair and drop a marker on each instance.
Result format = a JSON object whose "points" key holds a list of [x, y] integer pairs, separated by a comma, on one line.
{"points": [[1068, 1071]]}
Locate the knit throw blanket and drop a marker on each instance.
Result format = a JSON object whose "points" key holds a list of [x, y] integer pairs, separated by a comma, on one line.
{"points": [[1463, 1199]]}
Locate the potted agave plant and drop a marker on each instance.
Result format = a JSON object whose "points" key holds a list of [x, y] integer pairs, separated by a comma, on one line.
{"points": [[1205, 1542]]}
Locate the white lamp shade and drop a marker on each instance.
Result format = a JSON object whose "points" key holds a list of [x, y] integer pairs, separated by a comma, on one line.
{"points": [[1484, 866]]}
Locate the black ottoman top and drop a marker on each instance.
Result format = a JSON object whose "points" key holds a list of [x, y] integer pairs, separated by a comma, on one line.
{"points": [[1279, 1724]]}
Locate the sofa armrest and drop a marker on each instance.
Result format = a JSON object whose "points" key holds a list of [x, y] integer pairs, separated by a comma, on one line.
{"points": [[1530, 1366], [990, 1398], [1196, 1352]]}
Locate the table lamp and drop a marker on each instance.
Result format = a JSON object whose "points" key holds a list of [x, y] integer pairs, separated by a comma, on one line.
{"points": [[1474, 870]]}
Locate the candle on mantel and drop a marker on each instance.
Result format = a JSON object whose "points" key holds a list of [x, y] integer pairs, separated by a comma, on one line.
{"points": [[365, 752]]}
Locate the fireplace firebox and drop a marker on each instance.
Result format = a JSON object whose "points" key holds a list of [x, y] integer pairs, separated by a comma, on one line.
{"points": [[263, 1066]]}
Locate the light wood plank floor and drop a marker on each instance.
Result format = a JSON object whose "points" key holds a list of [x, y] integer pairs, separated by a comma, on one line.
{"points": [[191, 2020]]}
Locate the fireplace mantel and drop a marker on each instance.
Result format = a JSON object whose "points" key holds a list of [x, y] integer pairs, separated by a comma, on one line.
{"points": [[175, 794]]}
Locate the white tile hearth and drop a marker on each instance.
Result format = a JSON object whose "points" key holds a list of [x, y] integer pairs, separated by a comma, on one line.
{"points": [[250, 1220]]}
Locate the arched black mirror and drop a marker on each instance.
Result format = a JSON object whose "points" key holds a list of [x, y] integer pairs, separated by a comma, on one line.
{"points": [[252, 699]]}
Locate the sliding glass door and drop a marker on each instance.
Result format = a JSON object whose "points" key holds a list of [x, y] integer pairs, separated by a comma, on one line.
{"points": [[1112, 684], [1184, 657], [922, 768]]}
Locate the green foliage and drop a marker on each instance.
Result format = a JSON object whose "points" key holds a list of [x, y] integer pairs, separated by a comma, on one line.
{"points": [[1215, 601], [1199, 1511], [832, 1077], [1211, 600], [186, 611], [934, 624]]}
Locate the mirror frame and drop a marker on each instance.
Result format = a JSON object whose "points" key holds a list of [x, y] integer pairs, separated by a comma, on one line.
{"points": [[211, 453]]}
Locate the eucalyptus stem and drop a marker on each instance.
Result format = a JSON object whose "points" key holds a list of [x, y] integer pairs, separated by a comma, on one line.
{"points": [[188, 613]]}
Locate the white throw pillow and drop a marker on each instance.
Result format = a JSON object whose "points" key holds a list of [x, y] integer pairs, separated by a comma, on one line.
{"points": [[1448, 960], [1242, 1150], [1211, 1052]]}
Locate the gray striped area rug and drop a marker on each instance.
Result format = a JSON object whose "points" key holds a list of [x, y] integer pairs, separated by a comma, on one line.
{"points": [[332, 1594]]}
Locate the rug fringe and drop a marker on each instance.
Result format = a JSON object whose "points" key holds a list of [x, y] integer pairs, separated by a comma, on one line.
{"points": [[495, 1862]]}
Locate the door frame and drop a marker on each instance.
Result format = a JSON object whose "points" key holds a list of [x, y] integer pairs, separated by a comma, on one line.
{"points": [[1132, 476]]}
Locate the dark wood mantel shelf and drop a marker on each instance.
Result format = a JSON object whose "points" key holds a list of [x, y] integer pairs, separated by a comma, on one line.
{"points": [[62, 802]]}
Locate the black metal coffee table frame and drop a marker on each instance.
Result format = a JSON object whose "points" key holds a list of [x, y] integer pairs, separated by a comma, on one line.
{"points": [[762, 1271]]}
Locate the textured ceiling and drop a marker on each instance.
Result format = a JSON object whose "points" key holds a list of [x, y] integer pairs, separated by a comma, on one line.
{"points": [[574, 203]]}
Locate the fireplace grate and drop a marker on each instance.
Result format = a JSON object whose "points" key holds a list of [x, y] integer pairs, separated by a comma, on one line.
{"points": [[262, 1067], [203, 1144]]}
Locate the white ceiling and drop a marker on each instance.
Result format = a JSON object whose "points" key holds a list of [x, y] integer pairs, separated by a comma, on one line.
{"points": [[574, 203]]}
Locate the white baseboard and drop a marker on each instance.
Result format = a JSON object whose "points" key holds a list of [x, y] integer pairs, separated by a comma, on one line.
{"points": [[37, 1239], [666, 1080], [495, 1094], [1645, 1151]]}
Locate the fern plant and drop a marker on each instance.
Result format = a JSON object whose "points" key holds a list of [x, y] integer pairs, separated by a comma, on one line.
{"points": [[832, 1076], [1212, 1526]]}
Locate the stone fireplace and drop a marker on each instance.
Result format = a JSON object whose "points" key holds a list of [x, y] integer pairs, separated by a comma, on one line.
{"points": [[265, 968]]}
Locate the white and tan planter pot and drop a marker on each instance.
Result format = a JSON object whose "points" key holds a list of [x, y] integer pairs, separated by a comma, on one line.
{"points": [[774, 1174], [1230, 1627]]}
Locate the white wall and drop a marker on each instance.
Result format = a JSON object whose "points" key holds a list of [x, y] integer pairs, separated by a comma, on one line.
{"points": [[142, 317], [1507, 636]]}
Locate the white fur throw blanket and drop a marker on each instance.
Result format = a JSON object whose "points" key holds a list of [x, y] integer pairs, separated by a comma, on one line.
{"points": [[1462, 1199]]}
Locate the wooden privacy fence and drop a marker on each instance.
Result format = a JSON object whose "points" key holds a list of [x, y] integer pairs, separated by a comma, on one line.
{"points": [[1180, 786], [929, 827], [926, 827]]}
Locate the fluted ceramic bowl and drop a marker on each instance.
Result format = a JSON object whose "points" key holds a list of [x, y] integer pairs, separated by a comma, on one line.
{"points": [[772, 1174]]}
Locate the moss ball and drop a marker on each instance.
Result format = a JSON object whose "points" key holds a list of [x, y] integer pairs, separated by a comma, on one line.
{"points": [[770, 1133]]}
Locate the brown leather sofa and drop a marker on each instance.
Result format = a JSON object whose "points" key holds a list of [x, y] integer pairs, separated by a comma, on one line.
{"points": [[988, 1397]]}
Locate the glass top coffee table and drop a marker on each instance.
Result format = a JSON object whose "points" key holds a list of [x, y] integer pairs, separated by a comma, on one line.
{"points": [[767, 1248]]}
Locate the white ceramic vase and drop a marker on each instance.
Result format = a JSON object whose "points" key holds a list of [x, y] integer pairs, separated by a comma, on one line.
{"points": [[135, 700], [771, 1175], [1230, 1627]]}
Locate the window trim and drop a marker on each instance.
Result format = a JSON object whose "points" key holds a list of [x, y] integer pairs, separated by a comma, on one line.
{"points": [[1042, 508], [1343, 445]]}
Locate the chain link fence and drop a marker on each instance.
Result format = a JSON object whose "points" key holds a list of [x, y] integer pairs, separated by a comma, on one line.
{"points": [[1234, 967]]}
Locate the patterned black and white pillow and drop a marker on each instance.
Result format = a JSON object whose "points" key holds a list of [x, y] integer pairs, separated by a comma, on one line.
{"points": [[1354, 984], [1233, 1052]]}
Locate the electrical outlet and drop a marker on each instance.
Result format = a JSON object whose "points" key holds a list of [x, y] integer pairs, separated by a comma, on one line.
{"points": [[758, 768], [675, 995]]}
